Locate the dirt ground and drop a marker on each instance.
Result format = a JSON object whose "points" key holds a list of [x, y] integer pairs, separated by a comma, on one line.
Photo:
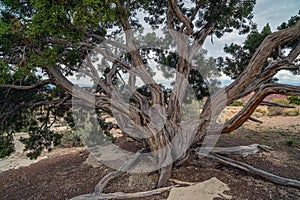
{"points": [[65, 174]]}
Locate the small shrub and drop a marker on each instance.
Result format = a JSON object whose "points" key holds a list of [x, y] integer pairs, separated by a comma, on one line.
{"points": [[291, 112], [294, 100], [6, 146], [238, 103], [249, 137], [274, 111], [289, 142], [282, 102], [261, 111], [70, 139]]}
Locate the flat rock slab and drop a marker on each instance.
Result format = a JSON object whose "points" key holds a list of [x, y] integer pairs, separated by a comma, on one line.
{"points": [[207, 190]]}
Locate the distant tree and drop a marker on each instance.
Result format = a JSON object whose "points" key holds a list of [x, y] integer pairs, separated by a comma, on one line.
{"points": [[240, 55], [63, 38]]}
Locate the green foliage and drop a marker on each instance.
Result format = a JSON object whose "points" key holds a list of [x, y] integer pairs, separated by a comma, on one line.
{"points": [[40, 140], [70, 139], [261, 111], [289, 142], [6, 145], [294, 100], [282, 102], [237, 103]]}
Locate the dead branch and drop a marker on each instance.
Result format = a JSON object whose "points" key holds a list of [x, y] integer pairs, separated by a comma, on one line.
{"points": [[266, 103], [121, 195], [243, 166], [256, 120], [108, 41], [240, 150]]}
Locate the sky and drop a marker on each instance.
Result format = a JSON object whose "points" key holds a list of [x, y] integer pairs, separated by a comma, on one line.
{"points": [[273, 12]]}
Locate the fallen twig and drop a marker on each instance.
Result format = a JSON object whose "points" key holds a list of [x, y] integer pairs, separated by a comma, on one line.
{"points": [[181, 182], [256, 120]]}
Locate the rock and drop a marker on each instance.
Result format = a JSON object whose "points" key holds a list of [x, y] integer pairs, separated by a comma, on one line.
{"points": [[92, 161], [206, 190]]}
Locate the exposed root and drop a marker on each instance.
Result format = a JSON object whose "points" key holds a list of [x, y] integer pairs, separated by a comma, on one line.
{"points": [[243, 166], [112, 175], [181, 182], [165, 174], [121, 195]]}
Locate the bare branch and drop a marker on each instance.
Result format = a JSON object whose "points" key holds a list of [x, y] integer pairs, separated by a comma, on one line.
{"points": [[114, 60], [200, 38], [96, 76], [28, 87], [177, 12], [156, 92], [294, 53], [266, 103], [111, 42], [268, 73]]}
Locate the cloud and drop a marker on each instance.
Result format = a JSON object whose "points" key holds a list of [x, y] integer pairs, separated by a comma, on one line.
{"points": [[215, 49], [274, 12], [82, 81], [224, 79], [286, 77]]}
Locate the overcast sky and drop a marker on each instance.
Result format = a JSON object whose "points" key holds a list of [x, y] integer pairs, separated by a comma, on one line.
{"points": [[273, 12]]}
